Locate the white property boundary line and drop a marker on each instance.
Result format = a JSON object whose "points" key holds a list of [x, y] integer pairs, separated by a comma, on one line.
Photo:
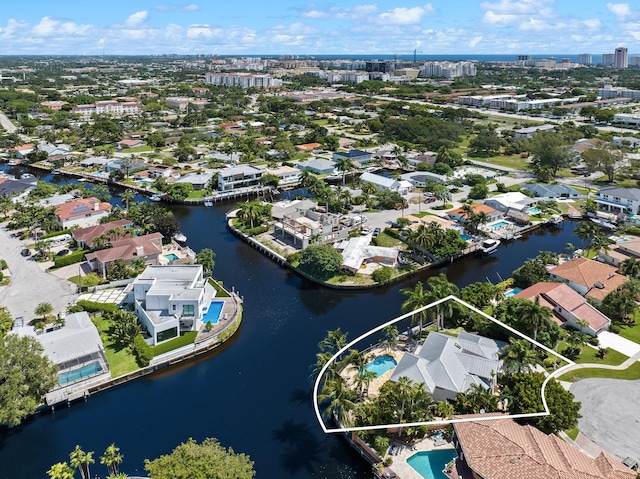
{"points": [[546, 412]]}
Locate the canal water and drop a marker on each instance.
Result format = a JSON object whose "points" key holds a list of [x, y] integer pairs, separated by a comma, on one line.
{"points": [[253, 394]]}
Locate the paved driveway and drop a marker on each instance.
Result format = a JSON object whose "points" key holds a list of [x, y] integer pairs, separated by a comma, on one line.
{"points": [[610, 414], [29, 284]]}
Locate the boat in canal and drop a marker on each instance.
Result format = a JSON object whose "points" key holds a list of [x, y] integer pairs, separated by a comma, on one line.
{"points": [[488, 246]]}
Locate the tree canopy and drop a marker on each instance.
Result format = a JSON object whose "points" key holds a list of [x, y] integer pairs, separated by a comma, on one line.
{"points": [[321, 261], [208, 460], [26, 375]]}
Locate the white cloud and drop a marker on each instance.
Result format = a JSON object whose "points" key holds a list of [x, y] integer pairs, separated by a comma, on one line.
{"points": [[137, 18], [315, 14], [592, 23], [622, 11], [474, 41], [48, 27], [404, 15], [165, 7], [511, 7], [357, 12]]}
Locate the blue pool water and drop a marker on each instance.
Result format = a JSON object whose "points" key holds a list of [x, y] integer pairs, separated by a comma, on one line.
{"points": [[430, 464], [381, 365], [500, 224], [533, 211], [213, 315], [512, 292], [465, 237], [80, 373], [171, 257]]}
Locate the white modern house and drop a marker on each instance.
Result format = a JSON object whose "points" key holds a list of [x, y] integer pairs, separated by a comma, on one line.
{"points": [[513, 200], [170, 299], [448, 365], [240, 176], [383, 183], [619, 200]]}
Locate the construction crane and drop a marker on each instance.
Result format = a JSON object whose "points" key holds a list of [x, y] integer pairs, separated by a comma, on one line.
{"points": [[415, 58]]}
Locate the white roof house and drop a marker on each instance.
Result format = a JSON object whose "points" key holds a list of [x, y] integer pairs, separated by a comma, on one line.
{"points": [[357, 251], [384, 183], [171, 299], [447, 365], [513, 200]]}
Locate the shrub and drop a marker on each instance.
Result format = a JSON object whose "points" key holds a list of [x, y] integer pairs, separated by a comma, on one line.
{"points": [[594, 341], [143, 352], [75, 257], [382, 275], [391, 232], [95, 307], [256, 230], [3, 264], [614, 328], [55, 233]]}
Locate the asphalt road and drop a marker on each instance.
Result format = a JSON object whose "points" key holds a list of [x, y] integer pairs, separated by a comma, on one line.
{"points": [[30, 285], [610, 414]]}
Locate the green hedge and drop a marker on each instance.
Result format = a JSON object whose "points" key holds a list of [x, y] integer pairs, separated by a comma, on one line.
{"points": [[95, 307], [391, 232], [56, 233], [183, 340], [75, 257], [257, 230], [143, 352]]}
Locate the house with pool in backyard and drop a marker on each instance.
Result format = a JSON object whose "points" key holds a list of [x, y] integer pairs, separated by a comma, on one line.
{"points": [[170, 300]]}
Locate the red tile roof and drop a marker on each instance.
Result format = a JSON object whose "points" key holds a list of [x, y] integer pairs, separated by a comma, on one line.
{"points": [[126, 249], [476, 207], [503, 449], [591, 274], [87, 235], [81, 207]]}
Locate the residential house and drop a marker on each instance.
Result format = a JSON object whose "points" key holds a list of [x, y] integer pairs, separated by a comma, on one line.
{"points": [[588, 277], [492, 214], [17, 187], [504, 449], [357, 252], [313, 225], [552, 191], [363, 158], [619, 200], [448, 365], [81, 212], [287, 175], [170, 299], [530, 131], [240, 176], [624, 249], [309, 147], [94, 161], [132, 143], [420, 178], [626, 141], [383, 183], [426, 220], [513, 200], [427, 158], [23, 150], [84, 236], [283, 208], [567, 305], [148, 247], [319, 166], [200, 181]]}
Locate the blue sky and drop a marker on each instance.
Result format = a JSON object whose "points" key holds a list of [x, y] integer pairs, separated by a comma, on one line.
{"points": [[333, 27]]}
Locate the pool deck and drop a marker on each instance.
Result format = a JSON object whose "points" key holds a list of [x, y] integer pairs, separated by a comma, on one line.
{"points": [[400, 466]]}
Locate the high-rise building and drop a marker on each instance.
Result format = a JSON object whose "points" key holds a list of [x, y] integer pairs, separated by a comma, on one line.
{"points": [[523, 58], [607, 59], [621, 58], [585, 59]]}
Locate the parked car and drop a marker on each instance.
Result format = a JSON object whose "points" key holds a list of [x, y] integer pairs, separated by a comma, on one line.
{"points": [[62, 252], [429, 199], [25, 252], [376, 232]]}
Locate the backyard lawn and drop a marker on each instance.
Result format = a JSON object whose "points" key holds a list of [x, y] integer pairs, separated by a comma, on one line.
{"points": [[121, 360]]}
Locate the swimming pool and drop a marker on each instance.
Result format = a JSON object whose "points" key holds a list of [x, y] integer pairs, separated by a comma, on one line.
{"points": [[171, 257], [213, 314], [500, 224], [512, 292], [381, 365], [430, 464], [466, 237], [533, 211], [80, 373]]}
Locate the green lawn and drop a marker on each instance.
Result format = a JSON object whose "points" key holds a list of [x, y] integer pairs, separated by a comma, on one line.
{"points": [[588, 355], [631, 332], [631, 373], [572, 433], [220, 292], [386, 240], [196, 194], [121, 360], [184, 339]]}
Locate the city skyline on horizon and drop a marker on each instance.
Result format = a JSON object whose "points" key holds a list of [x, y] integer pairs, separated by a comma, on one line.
{"points": [[284, 27]]}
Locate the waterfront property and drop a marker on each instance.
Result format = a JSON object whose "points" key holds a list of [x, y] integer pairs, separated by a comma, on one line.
{"points": [[447, 365], [381, 365], [240, 176], [86, 236], [568, 307], [147, 247], [625, 201], [170, 299], [624, 249], [503, 449], [588, 277], [303, 226], [357, 253], [319, 166], [513, 200], [82, 212], [430, 464]]}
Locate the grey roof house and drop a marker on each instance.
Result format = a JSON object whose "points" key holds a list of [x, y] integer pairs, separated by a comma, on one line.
{"points": [[552, 191], [447, 365]]}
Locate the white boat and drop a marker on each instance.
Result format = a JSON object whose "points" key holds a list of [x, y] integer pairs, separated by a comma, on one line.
{"points": [[155, 198], [604, 224], [575, 216], [488, 246], [180, 238], [555, 220], [208, 203]]}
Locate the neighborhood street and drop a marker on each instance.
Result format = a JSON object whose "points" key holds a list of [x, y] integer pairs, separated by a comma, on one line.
{"points": [[30, 285]]}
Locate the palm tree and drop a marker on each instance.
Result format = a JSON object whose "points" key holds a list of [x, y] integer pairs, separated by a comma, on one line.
{"points": [[112, 459], [416, 298], [535, 316], [440, 287], [517, 355], [343, 164], [80, 460], [442, 194], [127, 196], [339, 399], [391, 334], [369, 188], [583, 323], [630, 267], [60, 470], [250, 211], [44, 310], [587, 230]]}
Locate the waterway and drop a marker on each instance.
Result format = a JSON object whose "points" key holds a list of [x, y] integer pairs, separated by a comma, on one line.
{"points": [[253, 394]]}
